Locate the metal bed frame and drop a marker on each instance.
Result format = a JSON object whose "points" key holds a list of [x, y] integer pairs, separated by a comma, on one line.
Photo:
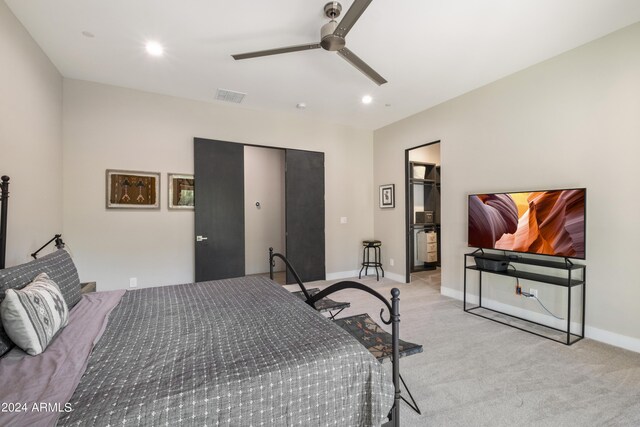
{"points": [[393, 320], [4, 200], [326, 305]]}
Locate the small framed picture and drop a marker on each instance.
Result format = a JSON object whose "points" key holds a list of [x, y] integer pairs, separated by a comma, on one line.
{"points": [[181, 191], [387, 196], [132, 190]]}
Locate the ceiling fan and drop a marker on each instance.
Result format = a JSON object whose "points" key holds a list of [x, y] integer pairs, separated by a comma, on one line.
{"points": [[332, 38]]}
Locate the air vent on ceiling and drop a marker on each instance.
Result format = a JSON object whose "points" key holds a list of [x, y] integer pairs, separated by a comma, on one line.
{"points": [[229, 96]]}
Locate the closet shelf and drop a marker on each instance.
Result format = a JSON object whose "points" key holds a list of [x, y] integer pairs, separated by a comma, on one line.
{"points": [[423, 196], [421, 226], [422, 181]]}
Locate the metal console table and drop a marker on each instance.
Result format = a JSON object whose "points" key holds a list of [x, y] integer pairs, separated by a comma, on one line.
{"points": [[568, 282]]}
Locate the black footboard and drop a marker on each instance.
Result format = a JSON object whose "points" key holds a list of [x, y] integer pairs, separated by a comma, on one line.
{"points": [[393, 320]]}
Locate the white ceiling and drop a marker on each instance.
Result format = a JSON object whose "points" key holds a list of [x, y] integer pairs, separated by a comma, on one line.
{"points": [[429, 50]]}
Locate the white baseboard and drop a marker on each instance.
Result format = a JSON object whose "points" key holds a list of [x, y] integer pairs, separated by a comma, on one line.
{"points": [[351, 274], [544, 319], [607, 337], [342, 275], [612, 338], [451, 293]]}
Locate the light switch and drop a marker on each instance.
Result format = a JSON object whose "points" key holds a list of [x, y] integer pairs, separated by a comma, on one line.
{"points": [[343, 220]]}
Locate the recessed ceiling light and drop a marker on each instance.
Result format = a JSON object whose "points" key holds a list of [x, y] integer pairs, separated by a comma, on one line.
{"points": [[301, 105], [88, 34], [367, 99], [154, 48]]}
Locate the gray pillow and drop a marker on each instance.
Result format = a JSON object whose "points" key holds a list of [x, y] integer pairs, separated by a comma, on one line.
{"points": [[33, 316], [59, 267]]}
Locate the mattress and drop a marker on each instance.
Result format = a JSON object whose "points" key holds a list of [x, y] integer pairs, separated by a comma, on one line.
{"points": [[230, 352]]}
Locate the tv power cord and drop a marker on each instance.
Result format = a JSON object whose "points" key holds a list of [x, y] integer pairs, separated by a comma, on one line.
{"points": [[528, 295]]}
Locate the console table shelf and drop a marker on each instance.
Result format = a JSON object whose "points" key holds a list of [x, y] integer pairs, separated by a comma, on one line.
{"points": [[568, 282], [553, 280], [559, 265]]}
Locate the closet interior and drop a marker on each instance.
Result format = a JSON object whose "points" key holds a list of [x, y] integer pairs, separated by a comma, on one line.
{"points": [[423, 208]]}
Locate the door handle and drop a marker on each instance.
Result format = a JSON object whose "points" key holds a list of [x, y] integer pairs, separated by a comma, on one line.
{"points": [[200, 238]]}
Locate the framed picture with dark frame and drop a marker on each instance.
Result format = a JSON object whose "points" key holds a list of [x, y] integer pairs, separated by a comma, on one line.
{"points": [[181, 191], [132, 189], [387, 196]]}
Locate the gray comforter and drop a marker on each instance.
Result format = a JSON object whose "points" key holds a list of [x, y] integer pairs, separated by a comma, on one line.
{"points": [[239, 352]]}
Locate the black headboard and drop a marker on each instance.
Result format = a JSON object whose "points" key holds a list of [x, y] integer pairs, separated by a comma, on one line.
{"points": [[4, 199]]}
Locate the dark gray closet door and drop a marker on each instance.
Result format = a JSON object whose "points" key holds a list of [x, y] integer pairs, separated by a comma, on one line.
{"points": [[219, 209], [304, 183]]}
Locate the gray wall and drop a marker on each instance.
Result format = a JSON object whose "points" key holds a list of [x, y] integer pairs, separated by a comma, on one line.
{"points": [[106, 127], [572, 121], [30, 139]]}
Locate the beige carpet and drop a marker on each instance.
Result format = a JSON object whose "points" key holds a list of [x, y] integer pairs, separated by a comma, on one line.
{"points": [[474, 372]]}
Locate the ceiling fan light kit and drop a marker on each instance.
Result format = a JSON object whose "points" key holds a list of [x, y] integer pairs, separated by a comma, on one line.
{"points": [[332, 38]]}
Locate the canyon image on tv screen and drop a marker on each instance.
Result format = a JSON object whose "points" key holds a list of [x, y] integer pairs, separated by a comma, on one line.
{"points": [[541, 222]]}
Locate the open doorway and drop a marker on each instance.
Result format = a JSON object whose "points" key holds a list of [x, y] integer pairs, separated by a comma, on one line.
{"points": [[423, 175], [264, 209], [235, 225], [284, 209]]}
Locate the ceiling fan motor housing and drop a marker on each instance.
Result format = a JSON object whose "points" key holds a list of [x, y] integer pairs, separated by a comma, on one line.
{"points": [[328, 40]]}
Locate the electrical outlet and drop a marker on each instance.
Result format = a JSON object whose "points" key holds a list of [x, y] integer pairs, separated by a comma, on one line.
{"points": [[133, 282], [533, 292], [391, 262]]}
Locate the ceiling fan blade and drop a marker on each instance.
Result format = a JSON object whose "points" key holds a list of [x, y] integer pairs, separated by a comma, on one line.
{"points": [[276, 51], [354, 60], [353, 14]]}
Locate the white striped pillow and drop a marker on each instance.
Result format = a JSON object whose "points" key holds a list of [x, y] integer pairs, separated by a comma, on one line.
{"points": [[33, 315]]}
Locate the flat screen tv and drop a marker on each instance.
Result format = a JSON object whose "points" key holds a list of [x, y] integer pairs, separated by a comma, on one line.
{"points": [[548, 222]]}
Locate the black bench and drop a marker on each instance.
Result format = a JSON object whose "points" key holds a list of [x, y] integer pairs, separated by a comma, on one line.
{"points": [[325, 304], [379, 342]]}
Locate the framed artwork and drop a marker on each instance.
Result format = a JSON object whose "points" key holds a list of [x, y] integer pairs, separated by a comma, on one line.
{"points": [[181, 191], [133, 190], [387, 196]]}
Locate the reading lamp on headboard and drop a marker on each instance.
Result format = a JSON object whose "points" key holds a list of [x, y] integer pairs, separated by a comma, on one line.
{"points": [[59, 245]]}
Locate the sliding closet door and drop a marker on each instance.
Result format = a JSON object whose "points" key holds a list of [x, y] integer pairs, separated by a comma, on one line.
{"points": [[304, 187], [219, 209]]}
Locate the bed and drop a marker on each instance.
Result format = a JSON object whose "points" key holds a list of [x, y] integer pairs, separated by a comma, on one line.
{"points": [[240, 351]]}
